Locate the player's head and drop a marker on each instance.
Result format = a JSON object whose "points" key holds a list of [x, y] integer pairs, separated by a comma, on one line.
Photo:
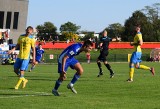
{"points": [[40, 45], [138, 28], [104, 33], [29, 30], [87, 46]]}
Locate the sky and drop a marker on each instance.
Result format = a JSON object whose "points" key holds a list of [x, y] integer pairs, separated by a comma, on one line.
{"points": [[91, 15]]}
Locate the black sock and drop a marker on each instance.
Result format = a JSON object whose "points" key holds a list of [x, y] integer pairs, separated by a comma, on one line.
{"points": [[99, 66], [109, 68]]}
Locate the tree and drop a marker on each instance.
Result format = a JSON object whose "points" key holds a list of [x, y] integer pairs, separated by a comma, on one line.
{"points": [[115, 30], [46, 30], [69, 36], [69, 27], [152, 14], [137, 18]]}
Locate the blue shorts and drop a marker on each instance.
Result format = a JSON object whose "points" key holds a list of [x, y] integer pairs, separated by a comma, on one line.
{"points": [[136, 57], [38, 60], [21, 64], [70, 62]]}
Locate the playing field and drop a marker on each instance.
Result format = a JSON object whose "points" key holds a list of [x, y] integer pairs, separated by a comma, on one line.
{"points": [[93, 92]]}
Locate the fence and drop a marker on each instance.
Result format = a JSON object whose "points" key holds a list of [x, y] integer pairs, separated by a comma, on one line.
{"points": [[82, 58]]}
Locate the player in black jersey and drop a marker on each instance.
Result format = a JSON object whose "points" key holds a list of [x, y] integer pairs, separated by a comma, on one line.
{"points": [[104, 44]]}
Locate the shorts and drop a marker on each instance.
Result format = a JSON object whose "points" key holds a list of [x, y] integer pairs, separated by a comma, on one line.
{"points": [[70, 62], [103, 55], [21, 64], [136, 57]]}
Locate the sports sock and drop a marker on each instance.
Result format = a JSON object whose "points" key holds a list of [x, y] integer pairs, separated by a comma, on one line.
{"points": [[32, 67], [144, 67], [131, 73], [57, 84], [75, 78], [99, 66], [109, 68], [19, 82]]}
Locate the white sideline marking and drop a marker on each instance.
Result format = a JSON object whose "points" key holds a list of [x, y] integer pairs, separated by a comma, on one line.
{"points": [[24, 95]]}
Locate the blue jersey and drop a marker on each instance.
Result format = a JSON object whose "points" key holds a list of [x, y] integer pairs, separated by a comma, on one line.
{"points": [[70, 51], [39, 53]]}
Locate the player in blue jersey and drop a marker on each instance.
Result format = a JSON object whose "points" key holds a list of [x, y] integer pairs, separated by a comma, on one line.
{"points": [[104, 46], [39, 55], [66, 59]]}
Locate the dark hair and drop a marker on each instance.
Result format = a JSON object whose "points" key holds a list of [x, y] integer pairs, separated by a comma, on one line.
{"points": [[30, 27], [138, 25], [87, 43], [39, 44]]}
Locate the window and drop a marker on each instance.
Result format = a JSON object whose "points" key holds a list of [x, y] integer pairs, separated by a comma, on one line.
{"points": [[15, 21], [1, 19], [8, 20]]}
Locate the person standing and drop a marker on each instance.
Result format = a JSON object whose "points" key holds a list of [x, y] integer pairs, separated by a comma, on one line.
{"points": [[88, 56], [25, 43], [104, 46], [66, 59], [136, 55]]}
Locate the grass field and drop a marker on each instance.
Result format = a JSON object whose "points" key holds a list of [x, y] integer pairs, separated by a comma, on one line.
{"points": [[93, 92]]}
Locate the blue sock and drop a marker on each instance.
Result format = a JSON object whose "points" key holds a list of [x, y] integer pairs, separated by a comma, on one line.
{"points": [[32, 67], [18, 73], [57, 84], [75, 78]]}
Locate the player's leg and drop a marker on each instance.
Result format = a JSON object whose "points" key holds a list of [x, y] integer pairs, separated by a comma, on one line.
{"points": [[79, 71], [109, 68], [131, 72], [133, 60], [138, 66], [99, 64], [33, 66], [60, 79], [17, 67], [23, 68], [104, 55]]}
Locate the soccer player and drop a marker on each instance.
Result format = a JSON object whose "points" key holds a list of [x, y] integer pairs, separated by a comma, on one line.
{"points": [[88, 56], [39, 55], [104, 44], [66, 59], [25, 43], [136, 55]]}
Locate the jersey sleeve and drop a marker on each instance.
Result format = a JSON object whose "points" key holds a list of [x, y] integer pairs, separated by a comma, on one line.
{"points": [[140, 36]]}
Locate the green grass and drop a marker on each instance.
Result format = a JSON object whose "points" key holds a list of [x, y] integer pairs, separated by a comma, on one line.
{"points": [[93, 92]]}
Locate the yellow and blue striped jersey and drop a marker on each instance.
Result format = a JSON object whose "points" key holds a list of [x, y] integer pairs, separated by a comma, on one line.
{"points": [[25, 43], [137, 37]]}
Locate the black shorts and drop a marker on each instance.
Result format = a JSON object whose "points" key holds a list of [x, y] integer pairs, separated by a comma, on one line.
{"points": [[103, 55]]}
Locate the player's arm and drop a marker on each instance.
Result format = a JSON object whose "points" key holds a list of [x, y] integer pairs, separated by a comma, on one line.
{"points": [[140, 42], [34, 53], [13, 49], [63, 75]]}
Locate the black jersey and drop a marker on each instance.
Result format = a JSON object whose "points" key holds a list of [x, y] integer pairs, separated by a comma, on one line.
{"points": [[105, 40]]}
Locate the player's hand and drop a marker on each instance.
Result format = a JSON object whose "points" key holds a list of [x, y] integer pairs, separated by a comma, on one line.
{"points": [[64, 75], [118, 38], [9, 51], [131, 43], [33, 62]]}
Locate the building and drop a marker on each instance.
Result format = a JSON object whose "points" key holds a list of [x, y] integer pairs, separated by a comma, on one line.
{"points": [[13, 17]]}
